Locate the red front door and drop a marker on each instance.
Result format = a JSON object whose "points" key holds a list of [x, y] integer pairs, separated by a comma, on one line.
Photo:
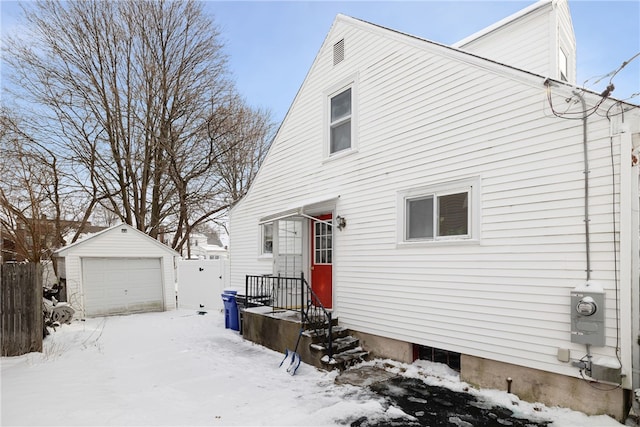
{"points": [[322, 259]]}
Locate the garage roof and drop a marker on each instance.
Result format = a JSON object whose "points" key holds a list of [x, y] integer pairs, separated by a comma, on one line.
{"points": [[64, 250]]}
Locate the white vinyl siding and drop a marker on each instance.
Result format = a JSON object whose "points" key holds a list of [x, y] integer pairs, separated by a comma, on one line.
{"points": [[524, 44], [566, 39], [531, 42], [428, 114]]}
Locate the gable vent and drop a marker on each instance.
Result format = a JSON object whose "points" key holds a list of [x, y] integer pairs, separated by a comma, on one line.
{"points": [[338, 52]]}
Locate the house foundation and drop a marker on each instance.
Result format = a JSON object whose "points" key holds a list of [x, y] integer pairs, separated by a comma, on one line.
{"points": [[533, 385], [279, 331], [385, 348]]}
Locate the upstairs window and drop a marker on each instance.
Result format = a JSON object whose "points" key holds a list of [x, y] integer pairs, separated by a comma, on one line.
{"points": [[562, 65], [340, 123]]}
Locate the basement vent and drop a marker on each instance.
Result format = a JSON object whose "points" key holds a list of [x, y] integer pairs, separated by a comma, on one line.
{"points": [[449, 358], [338, 52]]}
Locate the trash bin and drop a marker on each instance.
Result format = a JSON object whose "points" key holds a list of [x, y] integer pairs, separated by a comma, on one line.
{"points": [[231, 320], [241, 302]]}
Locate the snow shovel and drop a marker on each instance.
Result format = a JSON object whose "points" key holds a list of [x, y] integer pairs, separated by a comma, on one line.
{"points": [[293, 357]]}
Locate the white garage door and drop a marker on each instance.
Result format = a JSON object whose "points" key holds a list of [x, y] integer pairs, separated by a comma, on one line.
{"points": [[122, 285]]}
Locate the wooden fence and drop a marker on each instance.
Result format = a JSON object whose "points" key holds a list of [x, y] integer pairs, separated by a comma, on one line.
{"points": [[21, 322]]}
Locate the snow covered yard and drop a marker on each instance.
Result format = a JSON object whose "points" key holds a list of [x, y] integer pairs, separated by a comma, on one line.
{"points": [[179, 368]]}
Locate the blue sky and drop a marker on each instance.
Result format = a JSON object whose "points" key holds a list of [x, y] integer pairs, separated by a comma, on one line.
{"points": [[271, 44]]}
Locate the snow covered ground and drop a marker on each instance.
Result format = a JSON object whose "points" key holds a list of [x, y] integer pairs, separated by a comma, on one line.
{"points": [[180, 368]]}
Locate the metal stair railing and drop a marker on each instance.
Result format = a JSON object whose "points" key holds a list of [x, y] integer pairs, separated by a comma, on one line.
{"points": [[291, 293]]}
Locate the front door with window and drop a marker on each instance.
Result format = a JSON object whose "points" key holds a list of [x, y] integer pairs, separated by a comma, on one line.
{"points": [[322, 259]]}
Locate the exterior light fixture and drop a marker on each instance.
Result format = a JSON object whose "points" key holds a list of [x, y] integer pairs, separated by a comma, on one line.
{"points": [[341, 222]]}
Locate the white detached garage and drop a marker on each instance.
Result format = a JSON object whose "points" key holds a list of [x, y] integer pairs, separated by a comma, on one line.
{"points": [[119, 270]]}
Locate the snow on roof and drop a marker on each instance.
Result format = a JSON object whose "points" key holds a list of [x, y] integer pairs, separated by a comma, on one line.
{"points": [[208, 247]]}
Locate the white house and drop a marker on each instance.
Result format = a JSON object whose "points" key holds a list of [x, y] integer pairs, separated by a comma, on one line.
{"points": [[119, 270], [482, 205], [200, 248]]}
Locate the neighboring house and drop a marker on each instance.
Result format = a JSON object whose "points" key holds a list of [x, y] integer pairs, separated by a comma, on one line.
{"points": [[119, 270], [85, 232], [40, 235], [202, 246], [8, 250], [463, 220]]}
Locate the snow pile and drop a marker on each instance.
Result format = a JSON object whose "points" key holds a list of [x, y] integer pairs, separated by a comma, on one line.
{"points": [[180, 368]]}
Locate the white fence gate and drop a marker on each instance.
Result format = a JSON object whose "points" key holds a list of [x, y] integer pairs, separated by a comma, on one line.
{"points": [[201, 283]]}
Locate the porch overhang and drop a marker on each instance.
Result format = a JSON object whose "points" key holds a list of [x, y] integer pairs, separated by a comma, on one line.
{"points": [[303, 209]]}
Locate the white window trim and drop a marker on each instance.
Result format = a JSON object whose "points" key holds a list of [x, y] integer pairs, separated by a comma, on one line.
{"points": [[471, 184], [350, 83], [261, 253]]}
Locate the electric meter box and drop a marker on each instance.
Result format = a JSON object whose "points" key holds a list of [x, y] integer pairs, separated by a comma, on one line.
{"points": [[587, 317]]}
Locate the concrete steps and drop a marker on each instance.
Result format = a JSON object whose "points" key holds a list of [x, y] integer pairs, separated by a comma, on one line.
{"points": [[345, 359], [346, 349]]}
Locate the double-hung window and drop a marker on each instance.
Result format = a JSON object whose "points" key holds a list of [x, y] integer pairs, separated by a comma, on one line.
{"points": [[443, 212], [340, 122]]}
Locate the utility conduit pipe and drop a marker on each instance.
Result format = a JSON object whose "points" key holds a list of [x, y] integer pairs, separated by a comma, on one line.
{"points": [[586, 184]]}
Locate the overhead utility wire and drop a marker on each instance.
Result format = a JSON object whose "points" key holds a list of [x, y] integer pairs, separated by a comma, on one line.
{"points": [[579, 115], [613, 73], [624, 64]]}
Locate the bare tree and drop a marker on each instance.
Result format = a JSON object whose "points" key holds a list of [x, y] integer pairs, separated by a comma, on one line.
{"points": [[242, 151], [136, 96], [31, 207]]}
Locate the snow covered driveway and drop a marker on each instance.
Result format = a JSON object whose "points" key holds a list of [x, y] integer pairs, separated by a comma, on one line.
{"points": [[179, 368]]}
